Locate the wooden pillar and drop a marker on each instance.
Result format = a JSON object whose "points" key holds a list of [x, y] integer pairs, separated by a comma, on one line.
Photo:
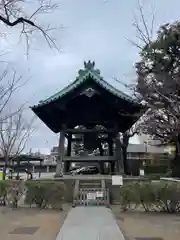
{"points": [[59, 166], [110, 144], [110, 150], [118, 154], [112, 167], [101, 164], [67, 163], [69, 144]]}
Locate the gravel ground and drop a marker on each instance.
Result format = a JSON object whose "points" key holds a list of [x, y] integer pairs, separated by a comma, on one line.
{"points": [[155, 226], [34, 224]]}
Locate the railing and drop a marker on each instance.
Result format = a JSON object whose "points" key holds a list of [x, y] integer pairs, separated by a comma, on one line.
{"points": [[92, 197]]}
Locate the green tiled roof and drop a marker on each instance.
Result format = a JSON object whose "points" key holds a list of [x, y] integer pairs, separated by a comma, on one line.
{"points": [[84, 75]]}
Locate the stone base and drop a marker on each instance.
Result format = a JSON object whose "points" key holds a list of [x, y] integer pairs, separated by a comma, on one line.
{"points": [[170, 180], [58, 175]]}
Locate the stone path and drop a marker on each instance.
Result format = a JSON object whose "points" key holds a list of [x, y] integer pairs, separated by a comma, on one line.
{"points": [[90, 223]]}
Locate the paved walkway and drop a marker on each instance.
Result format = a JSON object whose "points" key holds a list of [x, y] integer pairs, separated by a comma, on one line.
{"points": [[90, 223]]}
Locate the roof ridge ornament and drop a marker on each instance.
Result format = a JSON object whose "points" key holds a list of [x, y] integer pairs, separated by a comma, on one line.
{"points": [[88, 66]]}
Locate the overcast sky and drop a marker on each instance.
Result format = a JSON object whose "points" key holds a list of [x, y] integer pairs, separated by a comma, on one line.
{"points": [[92, 29]]}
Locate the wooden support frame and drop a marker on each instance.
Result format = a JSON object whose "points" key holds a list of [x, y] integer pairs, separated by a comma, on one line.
{"points": [[76, 131], [60, 158]]}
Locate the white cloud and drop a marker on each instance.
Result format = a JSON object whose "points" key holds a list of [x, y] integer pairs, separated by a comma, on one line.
{"points": [[95, 30]]}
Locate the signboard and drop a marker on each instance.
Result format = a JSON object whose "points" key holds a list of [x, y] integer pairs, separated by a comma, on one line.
{"points": [[141, 172], [36, 176], [117, 180], [91, 196], [99, 194]]}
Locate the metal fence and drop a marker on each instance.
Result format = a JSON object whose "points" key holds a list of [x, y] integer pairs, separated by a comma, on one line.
{"points": [[92, 197]]}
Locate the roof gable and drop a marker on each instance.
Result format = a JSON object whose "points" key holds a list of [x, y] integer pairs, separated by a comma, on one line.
{"points": [[83, 75]]}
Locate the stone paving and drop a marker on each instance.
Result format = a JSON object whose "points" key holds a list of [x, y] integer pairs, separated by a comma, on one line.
{"points": [[34, 224], [90, 223]]}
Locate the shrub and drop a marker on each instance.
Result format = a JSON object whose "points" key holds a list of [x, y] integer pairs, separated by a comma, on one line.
{"points": [[154, 176], [168, 174], [146, 194], [161, 169], [159, 197], [129, 198], [10, 192], [3, 186], [167, 197], [14, 191], [45, 194]]}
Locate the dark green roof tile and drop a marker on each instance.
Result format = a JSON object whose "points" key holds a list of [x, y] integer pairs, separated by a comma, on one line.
{"points": [[84, 75]]}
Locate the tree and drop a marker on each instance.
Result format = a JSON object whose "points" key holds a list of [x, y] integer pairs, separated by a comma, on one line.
{"points": [[9, 83], [158, 83], [24, 14], [125, 137], [15, 131]]}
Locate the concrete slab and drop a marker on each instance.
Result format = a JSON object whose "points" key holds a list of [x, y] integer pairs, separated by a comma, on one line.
{"points": [[90, 223]]}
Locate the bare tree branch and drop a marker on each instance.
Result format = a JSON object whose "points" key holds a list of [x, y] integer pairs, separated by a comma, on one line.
{"points": [[15, 132], [9, 83], [144, 30], [12, 14]]}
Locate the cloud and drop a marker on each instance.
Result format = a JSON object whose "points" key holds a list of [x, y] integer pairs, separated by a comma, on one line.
{"points": [[95, 30]]}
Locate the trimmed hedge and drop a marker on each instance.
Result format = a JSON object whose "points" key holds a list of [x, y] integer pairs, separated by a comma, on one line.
{"points": [[159, 197], [151, 196], [42, 194], [10, 192], [45, 194], [161, 169]]}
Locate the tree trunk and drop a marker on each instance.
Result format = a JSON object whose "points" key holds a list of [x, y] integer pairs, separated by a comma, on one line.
{"points": [[101, 150], [125, 161], [176, 160], [6, 160], [125, 144]]}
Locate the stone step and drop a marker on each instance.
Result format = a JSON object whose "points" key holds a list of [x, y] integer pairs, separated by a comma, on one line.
{"points": [[89, 184]]}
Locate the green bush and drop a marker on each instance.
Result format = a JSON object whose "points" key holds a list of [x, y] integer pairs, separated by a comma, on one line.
{"points": [[159, 197], [161, 169], [10, 192], [154, 176], [3, 186], [168, 174], [45, 194], [146, 194], [167, 197], [128, 198]]}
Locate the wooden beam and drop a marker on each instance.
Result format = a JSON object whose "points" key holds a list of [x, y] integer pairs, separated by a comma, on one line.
{"points": [[90, 158], [81, 139], [73, 131]]}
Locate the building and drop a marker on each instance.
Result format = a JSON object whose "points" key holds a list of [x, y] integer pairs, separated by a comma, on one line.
{"points": [[92, 108]]}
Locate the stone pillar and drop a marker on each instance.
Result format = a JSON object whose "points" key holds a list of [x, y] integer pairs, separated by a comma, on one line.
{"points": [[59, 166], [47, 169], [118, 154], [67, 163]]}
